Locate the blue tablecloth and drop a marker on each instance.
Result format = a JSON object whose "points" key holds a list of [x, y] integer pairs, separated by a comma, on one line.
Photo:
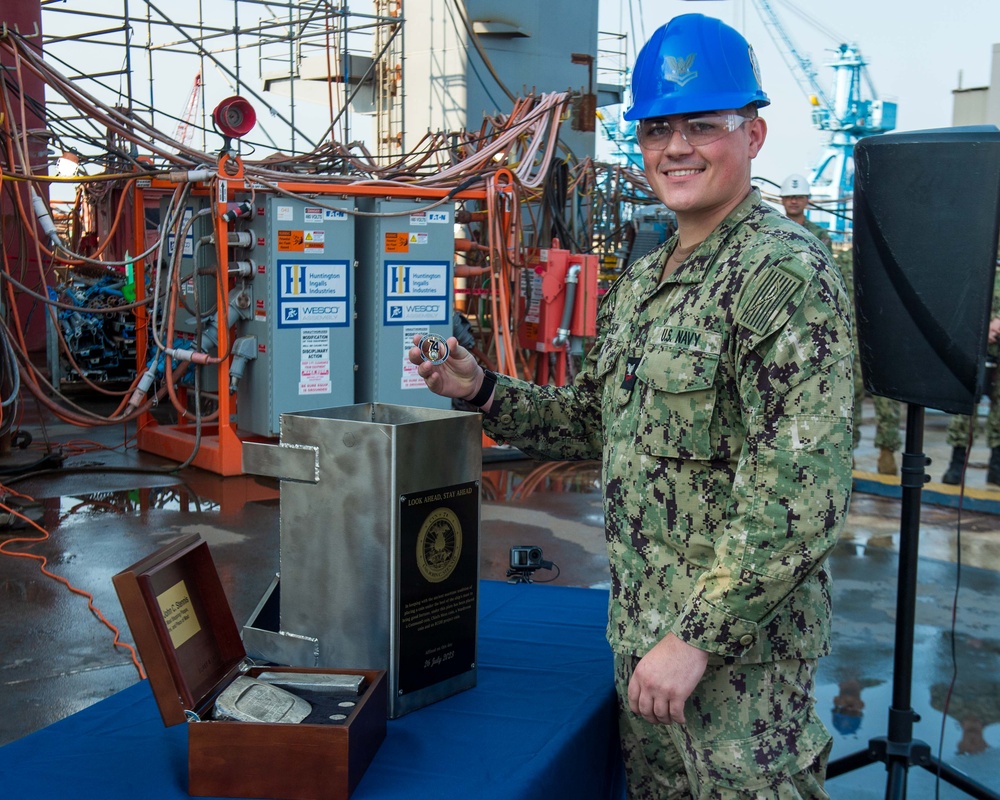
{"points": [[541, 723]]}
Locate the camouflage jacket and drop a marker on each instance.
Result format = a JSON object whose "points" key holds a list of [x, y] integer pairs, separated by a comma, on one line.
{"points": [[820, 233], [720, 403]]}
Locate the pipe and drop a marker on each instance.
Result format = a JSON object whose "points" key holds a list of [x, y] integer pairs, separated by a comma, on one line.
{"points": [[572, 279]]}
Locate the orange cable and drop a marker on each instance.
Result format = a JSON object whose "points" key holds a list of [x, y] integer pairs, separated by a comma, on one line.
{"points": [[80, 446], [500, 286], [60, 579], [492, 211]]}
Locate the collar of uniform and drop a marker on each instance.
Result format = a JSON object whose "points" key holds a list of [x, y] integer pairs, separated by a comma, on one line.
{"points": [[643, 277], [697, 264]]}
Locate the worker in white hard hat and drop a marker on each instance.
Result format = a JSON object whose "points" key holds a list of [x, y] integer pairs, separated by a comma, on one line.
{"points": [[795, 193]]}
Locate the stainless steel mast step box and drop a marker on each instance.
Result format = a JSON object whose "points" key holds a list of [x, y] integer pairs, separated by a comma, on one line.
{"points": [[379, 541]]}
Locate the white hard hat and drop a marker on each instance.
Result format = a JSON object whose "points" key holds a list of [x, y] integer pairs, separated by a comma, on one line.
{"points": [[795, 185]]}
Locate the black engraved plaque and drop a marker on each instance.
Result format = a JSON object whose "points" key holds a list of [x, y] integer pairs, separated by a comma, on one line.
{"points": [[438, 585]]}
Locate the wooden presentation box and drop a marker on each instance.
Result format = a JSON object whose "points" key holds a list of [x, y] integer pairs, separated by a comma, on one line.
{"points": [[191, 648]]}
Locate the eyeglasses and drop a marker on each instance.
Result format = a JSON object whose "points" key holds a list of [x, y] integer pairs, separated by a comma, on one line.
{"points": [[656, 133]]}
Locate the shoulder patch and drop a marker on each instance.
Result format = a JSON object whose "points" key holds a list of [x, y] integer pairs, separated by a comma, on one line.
{"points": [[774, 290]]}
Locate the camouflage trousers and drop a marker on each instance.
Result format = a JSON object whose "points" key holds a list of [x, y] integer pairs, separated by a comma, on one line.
{"points": [[958, 429], [887, 414], [887, 418], [752, 732], [958, 426]]}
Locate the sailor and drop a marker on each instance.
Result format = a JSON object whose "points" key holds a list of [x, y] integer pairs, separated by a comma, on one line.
{"points": [[794, 195], [718, 395], [958, 435]]}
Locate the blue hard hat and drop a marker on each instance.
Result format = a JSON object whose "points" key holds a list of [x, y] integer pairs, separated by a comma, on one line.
{"points": [[694, 63], [846, 724]]}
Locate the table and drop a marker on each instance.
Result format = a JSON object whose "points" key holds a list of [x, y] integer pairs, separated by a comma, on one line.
{"points": [[541, 722]]}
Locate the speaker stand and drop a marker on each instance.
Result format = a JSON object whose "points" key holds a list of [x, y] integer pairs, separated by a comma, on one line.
{"points": [[899, 750]]}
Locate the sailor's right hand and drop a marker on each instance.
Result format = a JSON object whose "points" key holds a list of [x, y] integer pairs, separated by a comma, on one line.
{"points": [[459, 376]]}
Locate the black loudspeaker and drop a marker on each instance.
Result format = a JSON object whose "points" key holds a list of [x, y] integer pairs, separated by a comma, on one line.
{"points": [[926, 223]]}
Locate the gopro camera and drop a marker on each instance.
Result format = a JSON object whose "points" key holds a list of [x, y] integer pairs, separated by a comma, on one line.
{"points": [[525, 557], [524, 560]]}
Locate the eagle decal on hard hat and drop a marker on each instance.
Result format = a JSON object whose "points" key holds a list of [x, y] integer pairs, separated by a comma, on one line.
{"points": [[679, 70]]}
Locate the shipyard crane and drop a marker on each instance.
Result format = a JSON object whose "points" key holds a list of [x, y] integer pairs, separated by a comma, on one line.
{"points": [[185, 128], [851, 111], [621, 135]]}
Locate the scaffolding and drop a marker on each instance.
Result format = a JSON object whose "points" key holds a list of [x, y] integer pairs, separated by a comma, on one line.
{"points": [[120, 106], [314, 71], [389, 79]]}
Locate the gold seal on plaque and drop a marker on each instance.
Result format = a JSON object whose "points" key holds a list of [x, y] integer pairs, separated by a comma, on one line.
{"points": [[439, 545]]}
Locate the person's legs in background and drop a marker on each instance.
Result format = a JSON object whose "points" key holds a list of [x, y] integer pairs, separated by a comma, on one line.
{"points": [[887, 438], [958, 438], [993, 435]]}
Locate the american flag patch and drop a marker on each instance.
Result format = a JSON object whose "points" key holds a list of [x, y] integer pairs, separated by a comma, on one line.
{"points": [[774, 291]]}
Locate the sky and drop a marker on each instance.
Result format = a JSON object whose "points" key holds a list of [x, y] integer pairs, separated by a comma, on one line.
{"points": [[918, 52]]}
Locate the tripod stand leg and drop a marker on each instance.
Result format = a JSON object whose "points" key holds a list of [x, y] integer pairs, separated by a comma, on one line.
{"points": [[895, 787], [899, 750], [854, 761], [960, 780]]}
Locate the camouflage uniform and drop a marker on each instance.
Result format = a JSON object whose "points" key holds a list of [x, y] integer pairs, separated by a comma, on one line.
{"points": [[720, 402], [887, 411], [820, 233], [958, 426]]}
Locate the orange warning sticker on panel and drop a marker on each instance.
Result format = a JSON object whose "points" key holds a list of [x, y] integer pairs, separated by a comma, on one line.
{"points": [[397, 243], [291, 241]]}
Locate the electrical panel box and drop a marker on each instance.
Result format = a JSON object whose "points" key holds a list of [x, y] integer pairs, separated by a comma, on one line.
{"points": [[302, 290], [544, 292], [405, 273]]}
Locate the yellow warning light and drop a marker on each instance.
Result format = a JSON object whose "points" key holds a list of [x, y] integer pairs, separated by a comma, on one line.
{"points": [[814, 100]]}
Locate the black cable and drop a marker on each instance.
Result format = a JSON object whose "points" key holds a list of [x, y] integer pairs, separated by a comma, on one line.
{"points": [[98, 139], [954, 602], [46, 464], [554, 577], [461, 187], [57, 124], [830, 211], [475, 70], [554, 198]]}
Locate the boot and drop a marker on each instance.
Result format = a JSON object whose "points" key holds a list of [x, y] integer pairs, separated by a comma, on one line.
{"points": [[993, 471], [886, 462], [953, 475]]}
